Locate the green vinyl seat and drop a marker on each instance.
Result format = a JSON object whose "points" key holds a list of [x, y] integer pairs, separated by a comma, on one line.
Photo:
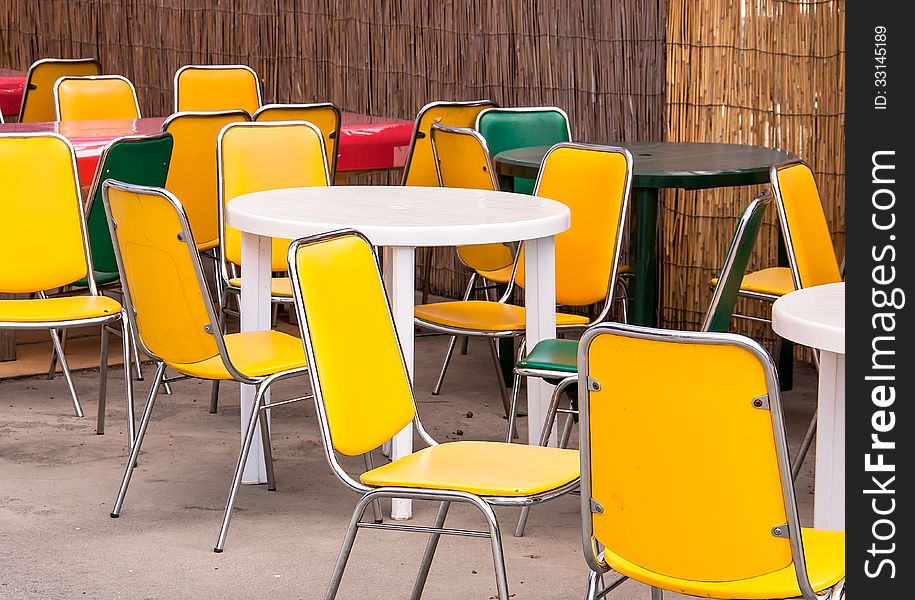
{"points": [[139, 160], [511, 128], [558, 356]]}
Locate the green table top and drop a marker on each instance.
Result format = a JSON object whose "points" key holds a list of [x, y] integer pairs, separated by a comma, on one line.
{"points": [[687, 165]]}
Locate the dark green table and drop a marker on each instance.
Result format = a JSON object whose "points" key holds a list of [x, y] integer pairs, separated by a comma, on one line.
{"points": [[660, 165]]}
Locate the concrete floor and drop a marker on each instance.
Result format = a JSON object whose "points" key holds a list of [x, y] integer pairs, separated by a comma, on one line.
{"points": [[58, 480]]}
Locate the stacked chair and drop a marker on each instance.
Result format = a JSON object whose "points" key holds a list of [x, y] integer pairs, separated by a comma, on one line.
{"points": [[38, 96]]}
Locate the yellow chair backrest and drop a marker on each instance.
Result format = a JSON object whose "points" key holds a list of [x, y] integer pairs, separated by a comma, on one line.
{"points": [[420, 167], [161, 273], [463, 161], [42, 230], [359, 418], [217, 87], [95, 98], [254, 157], [810, 250], [324, 115], [192, 174], [686, 468], [38, 97], [594, 182]]}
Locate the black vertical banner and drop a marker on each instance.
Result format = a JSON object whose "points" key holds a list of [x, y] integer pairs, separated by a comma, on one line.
{"points": [[880, 224]]}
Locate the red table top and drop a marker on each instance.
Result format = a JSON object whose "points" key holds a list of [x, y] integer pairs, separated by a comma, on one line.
{"points": [[12, 84], [366, 143]]}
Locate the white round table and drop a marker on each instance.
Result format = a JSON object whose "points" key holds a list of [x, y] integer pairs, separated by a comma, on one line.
{"points": [[400, 219], [815, 317]]}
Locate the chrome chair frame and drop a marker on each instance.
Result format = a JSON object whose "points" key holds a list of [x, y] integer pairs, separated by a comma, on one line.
{"points": [[257, 80], [590, 544], [262, 384], [335, 134], [133, 89], [54, 326], [369, 493], [28, 78]]}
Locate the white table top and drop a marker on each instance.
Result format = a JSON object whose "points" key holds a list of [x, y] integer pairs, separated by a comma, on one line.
{"points": [[400, 216], [814, 317]]}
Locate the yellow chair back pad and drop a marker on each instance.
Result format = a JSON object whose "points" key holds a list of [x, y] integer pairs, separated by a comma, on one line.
{"points": [[41, 231], [170, 309], [90, 99], [813, 251], [39, 104], [265, 156], [201, 88], [325, 118], [684, 465], [420, 169], [357, 360], [592, 183], [192, 174]]}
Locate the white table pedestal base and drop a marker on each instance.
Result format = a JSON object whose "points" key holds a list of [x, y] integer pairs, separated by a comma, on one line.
{"points": [[829, 499], [540, 311]]}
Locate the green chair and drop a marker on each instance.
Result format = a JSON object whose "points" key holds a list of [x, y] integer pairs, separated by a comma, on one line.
{"points": [[557, 360], [510, 128], [139, 160]]}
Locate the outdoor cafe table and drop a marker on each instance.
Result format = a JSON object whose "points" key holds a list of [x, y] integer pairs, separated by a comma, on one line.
{"points": [[12, 84], [656, 166], [815, 317], [400, 219]]}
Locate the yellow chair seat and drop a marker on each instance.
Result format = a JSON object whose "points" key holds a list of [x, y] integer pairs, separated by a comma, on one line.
{"points": [[255, 354], [207, 245], [480, 315], [482, 468], [775, 281], [279, 286], [825, 556], [71, 308]]}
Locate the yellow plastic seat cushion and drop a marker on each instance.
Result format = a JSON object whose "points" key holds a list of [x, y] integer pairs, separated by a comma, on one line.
{"points": [[825, 557], [775, 281], [482, 468], [484, 316], [255, 354], [71, 308], [279, 286], [207, 245]]}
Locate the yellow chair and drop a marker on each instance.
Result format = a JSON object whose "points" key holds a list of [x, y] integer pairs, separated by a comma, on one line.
{"points": [[420, 166], [685, 477], [324, 115], [217, 87], [587, 254], [95, 98], [811, 255], [43, 237], [38, 96], [356, 419], [192, 175], [175, 320]]}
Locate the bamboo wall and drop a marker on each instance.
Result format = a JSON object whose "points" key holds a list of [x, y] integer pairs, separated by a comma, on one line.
{"points": [[683, 70], [768, 73]]}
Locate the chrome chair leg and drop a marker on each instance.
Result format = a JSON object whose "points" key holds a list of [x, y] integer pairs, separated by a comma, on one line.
{"points": [[126, 342], [52, 365], [135, 354], [348, 540], [465, 339], [377, 513], [495, 539], [566, 431], [103, 381], [494, 351], [513, 411], [253, 420], [805, 446], [657, 594], [214, 397], [431, 545], [135, 451], [595, 583], [548, 421], [268, 449], [66, 371], [441, 376]]}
